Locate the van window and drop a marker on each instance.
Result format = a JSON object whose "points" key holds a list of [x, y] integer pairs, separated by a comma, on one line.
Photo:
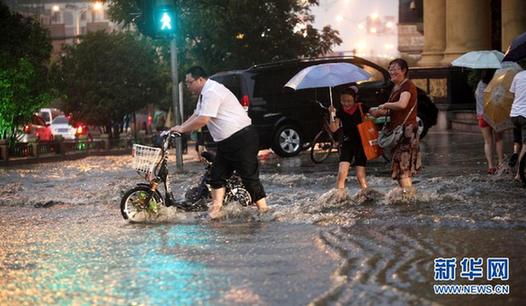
{"points": [[232, 82], [271, 82], [376, 75]]}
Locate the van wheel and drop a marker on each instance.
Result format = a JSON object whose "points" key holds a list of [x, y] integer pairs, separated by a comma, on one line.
{"points": [[287, 141], [422, 128]]}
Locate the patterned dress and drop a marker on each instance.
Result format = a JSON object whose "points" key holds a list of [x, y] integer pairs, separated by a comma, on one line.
{"points": [[406, 158]]}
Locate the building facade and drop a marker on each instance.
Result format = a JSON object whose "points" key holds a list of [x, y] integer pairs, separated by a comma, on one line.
{"points": [[436, 32], [454, 27], [66, 20]]}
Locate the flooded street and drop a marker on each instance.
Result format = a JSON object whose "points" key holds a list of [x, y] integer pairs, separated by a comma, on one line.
{"points": [[63, 240], [84, 255]]}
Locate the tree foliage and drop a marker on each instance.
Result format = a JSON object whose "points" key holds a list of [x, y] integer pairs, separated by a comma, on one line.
{"points": [[221, 34], [23, 37], [25, 50], [109, 75], [18, 99]]}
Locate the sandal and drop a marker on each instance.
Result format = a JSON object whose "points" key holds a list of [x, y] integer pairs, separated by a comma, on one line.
{"points": [[492, 171]]}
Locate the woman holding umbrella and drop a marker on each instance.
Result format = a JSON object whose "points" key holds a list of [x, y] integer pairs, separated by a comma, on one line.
{"points": [[485, 128], [402, 104]]}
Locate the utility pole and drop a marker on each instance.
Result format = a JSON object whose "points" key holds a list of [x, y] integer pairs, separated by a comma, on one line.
{"points": [[160, 23], [175, 103]]}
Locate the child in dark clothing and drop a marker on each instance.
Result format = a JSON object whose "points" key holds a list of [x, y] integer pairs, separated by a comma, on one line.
{"points": [[348, 117]]}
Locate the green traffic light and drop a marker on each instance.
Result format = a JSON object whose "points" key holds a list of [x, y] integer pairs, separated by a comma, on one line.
{"points": [[166, 22], [163, 19]]}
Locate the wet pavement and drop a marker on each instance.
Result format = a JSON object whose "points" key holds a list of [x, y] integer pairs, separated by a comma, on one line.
{"points": [[63, 241]]}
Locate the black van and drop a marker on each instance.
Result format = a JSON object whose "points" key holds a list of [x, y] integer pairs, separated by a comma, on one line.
{"points": [[286, 119]]}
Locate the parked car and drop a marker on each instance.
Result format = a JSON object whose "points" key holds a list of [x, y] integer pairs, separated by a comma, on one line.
{"points": [[61, 126], [286, 119], [37, 129]]}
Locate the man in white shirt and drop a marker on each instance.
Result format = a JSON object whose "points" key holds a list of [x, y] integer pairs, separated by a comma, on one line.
{"points": [[518, 115], [230, 127]]}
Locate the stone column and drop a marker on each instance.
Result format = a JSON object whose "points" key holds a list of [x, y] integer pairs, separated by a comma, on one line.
{"points": [[468, 27], [513, 20], [434, 33]]}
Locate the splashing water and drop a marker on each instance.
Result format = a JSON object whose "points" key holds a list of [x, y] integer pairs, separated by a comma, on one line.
{"points": [[386, 239]]}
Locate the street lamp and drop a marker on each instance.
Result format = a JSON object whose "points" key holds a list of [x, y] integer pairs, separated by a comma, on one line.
{"points": [[97, 6]]}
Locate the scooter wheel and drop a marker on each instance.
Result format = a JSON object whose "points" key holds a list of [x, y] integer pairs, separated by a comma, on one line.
{"points": [[242, 196], [140, 203]]}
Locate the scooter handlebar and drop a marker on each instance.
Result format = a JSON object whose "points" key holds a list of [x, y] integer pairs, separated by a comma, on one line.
{"points": [[169, 133]]}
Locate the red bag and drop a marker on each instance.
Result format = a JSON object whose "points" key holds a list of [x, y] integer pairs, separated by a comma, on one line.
{"points": [[369, 136]]}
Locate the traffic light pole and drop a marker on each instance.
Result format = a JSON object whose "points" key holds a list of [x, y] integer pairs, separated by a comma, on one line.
{"points": [[175, 102]]}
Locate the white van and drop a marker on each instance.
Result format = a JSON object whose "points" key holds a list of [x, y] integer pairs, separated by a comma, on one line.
{"points": [[49, 114]]}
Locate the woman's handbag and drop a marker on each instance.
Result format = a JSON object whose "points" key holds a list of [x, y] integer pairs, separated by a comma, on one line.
{"points": [[369, 137], [391, 137]]}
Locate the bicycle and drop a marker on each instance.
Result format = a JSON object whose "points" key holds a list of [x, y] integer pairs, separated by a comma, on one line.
{"points": [[325, 141], [145, 201]]}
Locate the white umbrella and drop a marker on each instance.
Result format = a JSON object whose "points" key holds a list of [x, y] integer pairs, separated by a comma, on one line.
{"points": [[480, 60], [327, 75]]}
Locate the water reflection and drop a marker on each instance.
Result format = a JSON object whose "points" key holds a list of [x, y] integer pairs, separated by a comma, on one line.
{"points": [[150, 265], [391, 265]]}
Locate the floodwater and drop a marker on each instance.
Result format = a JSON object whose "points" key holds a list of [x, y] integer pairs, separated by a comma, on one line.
{"points": [[63, 241]]}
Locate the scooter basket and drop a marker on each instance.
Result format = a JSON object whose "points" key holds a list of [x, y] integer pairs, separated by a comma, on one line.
{"points": [[144, 158]]}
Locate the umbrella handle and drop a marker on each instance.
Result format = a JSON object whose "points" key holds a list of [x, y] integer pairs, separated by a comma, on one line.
{"points": [[333, 114]]}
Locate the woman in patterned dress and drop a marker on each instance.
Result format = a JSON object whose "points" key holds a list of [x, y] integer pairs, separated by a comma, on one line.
{"points": [[402, 103]]}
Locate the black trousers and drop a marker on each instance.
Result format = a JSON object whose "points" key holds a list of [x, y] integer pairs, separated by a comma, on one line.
{"points": [[239, 152], [519, 129]]}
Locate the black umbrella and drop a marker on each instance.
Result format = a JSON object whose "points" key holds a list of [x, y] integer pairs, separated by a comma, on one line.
{"points": [[517, 49]]}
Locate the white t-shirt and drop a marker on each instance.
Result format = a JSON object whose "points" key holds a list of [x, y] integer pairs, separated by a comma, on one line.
{"points": [[479, 97], [227, 116], [518, 87]]}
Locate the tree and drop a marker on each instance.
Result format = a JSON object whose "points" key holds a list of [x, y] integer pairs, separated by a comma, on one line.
{"points": [[18, 99], [109, 75], [25, 50], [223, 35]]}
